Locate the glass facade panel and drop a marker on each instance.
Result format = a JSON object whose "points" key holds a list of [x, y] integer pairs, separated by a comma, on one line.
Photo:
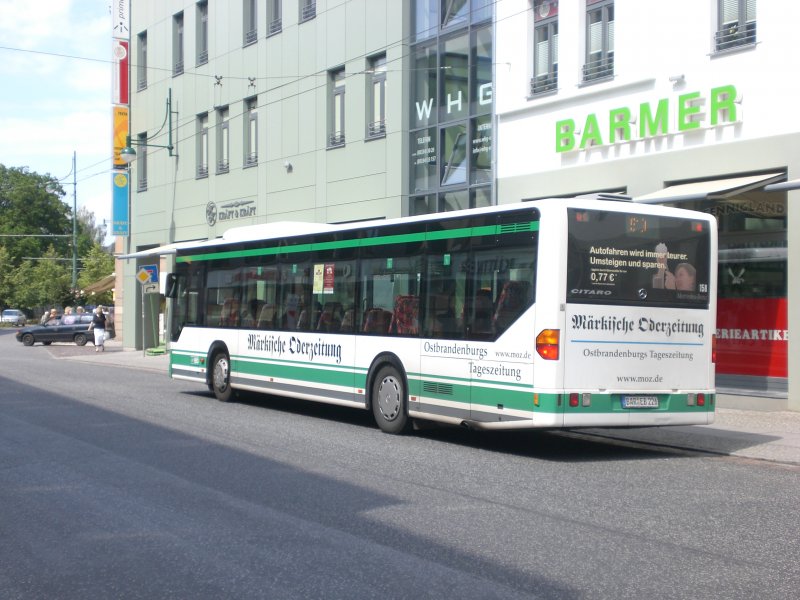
{"points": [[454, 154], [423, 159], [423, 92], [425, 19], [451, 106], [453, 201], [454, 12], [481, 96], [455, 79], [481, 150]]}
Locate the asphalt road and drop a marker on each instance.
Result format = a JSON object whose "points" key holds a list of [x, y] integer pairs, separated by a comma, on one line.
{"points": [[118, 483]]}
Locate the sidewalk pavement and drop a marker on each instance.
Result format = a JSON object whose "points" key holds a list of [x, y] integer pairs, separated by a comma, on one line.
{"points": [[769, 435]]}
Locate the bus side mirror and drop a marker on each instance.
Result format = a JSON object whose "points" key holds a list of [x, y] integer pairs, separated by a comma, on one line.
{"points": [[171, 288]]}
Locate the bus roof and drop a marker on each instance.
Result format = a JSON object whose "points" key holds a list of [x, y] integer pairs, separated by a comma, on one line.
{"points": [[284, 229]]}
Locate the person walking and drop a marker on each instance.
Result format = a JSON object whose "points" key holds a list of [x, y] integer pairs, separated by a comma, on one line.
{"points": [[98, 325]]}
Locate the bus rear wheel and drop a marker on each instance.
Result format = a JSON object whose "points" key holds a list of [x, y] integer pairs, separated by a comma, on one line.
{"points": [[221, 377], [389, 403]]}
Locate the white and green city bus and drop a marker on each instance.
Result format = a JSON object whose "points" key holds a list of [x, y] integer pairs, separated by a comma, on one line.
{"points": [[552, 313]]}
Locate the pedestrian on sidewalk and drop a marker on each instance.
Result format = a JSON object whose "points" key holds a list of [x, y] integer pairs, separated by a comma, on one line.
{"points": [[98, 325]]}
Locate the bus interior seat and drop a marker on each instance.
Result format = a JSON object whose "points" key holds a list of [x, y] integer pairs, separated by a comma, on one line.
{"points": [[376, 320], [405, 320], [266, 317]]}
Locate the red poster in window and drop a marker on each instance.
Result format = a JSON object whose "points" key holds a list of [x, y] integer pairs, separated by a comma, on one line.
{"points": [[752, 337], [328, 278]]}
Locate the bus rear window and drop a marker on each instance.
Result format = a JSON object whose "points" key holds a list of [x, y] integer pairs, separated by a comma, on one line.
{"points": [[642, 259]]}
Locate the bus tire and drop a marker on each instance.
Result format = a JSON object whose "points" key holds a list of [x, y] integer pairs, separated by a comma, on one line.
{"points": [[221, 377], [389, 401]]}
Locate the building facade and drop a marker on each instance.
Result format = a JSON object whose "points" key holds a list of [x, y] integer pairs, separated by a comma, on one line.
{"points": [[685, 103], [342, 110]]}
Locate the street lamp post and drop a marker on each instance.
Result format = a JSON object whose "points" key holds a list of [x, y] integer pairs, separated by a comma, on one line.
{"points": [[74, 224]]}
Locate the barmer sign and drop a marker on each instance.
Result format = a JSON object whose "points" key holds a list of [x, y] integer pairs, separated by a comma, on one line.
{"points": [[686, 113]]}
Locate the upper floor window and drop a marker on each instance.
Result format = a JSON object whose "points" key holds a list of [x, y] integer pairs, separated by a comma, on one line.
{"points": [[599, 40], [223, 140], [736, 24], [177, 44], [250, 22], [308, 9], [250, 132], [336, 121], [141, 62], [141, 162], [202, 145], [376, 119], [202, 32], [545, 46], [274, 22]]}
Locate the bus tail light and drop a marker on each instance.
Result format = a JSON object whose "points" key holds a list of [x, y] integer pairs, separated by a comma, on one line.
{"points": [[573, 399], [701, 399], [547, 344], [713, 347]]}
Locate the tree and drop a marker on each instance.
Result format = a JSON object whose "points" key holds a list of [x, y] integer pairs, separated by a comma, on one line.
{"points": [[29, 214], [96, 265], [41, 282]]}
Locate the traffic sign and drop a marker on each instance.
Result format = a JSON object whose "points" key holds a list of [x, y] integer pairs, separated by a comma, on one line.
{"points": [[150, 288], [147, 274]]}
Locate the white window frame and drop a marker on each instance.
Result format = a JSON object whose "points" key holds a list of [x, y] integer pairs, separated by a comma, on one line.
{"points": [[177, 44], [336, 120], [202, 32], [223, 141], [376, 97], [250, 25], [202, 145], [141, 162], [251, 132], [141, 61], [599, 65], [736, 24], [274, 20], [545, 53]]}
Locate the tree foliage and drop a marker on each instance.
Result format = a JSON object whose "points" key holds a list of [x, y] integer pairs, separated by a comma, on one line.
{"points": [[36, 235]]}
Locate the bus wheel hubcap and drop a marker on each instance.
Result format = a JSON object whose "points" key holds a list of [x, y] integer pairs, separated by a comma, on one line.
{"points": [[389, 398], [221, 374]]}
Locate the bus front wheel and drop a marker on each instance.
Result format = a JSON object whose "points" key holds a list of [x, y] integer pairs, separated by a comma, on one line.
{"points": [[221, 377], [389, 406]]}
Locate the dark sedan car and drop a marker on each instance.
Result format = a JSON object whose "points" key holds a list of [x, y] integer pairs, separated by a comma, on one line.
{"points": [[69, 328]]}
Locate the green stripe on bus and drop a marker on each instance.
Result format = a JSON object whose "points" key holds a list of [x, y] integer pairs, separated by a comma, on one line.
{"points": [[464, 232]]}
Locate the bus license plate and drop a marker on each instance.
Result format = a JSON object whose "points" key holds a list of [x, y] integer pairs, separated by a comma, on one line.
{"points": [[640, 402]]}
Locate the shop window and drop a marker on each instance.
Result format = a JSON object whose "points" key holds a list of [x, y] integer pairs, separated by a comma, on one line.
{"points": [[599, 40], [736, 24]]}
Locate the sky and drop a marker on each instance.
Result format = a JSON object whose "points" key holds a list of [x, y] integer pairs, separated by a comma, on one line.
{"points": [[55, 95]]}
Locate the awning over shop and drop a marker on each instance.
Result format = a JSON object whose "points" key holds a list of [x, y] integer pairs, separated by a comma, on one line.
{"points": [[712, 189], [101, 285]]}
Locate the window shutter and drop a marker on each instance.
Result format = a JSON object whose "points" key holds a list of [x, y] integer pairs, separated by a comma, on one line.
{"points": [[542, 57], [596, 37], [610, 36], [750, 11], [730, 11]]}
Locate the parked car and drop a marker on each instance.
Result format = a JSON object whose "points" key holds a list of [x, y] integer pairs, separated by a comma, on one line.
{"points": [[13, 315], [69, 328]]}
